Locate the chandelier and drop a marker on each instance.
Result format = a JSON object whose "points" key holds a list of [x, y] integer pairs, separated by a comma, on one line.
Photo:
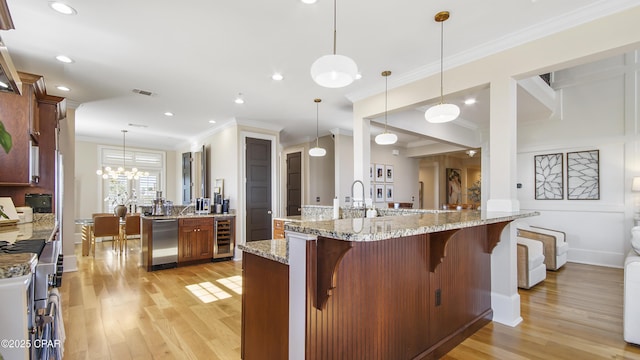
{"points": [[108, 172]]}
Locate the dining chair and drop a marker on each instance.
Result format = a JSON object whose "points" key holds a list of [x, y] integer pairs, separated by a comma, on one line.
{"points": [[131, 227], [87, 234], [106, 226]]}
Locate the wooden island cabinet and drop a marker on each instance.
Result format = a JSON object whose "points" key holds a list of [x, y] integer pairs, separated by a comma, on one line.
{"points": [[195, 240], [393, 287], [200, 239]]}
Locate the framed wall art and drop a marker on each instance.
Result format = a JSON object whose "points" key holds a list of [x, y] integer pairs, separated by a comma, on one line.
{"points": [[388, 173], [370, 172], [379, 193], [548, 177], [379, 173], [454, 186], [388, 192], [583, 175]]}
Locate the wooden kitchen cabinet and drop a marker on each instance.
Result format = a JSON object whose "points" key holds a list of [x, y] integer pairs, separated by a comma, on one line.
{"points": [[195, 240], [30, 118], [278, 229]]}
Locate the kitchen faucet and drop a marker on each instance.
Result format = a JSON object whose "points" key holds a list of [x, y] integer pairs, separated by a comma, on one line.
{"points": [[353, 199]]}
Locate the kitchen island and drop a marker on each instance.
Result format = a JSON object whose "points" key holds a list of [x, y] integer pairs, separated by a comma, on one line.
{"points": [[393, 287], [186, 239]]}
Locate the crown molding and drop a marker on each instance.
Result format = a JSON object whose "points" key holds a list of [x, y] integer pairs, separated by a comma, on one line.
{"points": [[551, 26]]}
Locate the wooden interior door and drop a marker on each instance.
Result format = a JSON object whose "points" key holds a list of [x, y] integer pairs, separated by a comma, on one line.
{"points": [[258, 189], [294, 183]]}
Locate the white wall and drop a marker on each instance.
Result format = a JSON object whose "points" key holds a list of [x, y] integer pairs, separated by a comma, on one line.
{"points": [[429, 175], [596, 102], [321, 177], [405, 178], [87, 200], [343, 167]]}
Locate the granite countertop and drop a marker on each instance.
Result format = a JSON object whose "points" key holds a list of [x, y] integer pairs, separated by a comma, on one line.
{"points": [[275, 249], [28, 231], [387, 227], [297, 218], [14, 265]]}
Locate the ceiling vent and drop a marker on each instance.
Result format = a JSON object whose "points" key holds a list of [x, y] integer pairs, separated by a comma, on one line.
{"points": [[143, 92], [137, 125]]}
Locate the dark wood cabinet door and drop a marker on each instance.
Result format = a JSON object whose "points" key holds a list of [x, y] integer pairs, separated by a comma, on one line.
{"points": [[14, 115]]}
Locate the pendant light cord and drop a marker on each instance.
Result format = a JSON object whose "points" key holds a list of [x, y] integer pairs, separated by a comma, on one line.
{"points": [[317, 126], [386, 80], [335, 36], [124, 149], [441, 62]]}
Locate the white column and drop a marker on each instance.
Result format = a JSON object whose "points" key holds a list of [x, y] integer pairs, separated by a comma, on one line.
{"points": [[361, 151], [502, 146], [505, 300], [67, 149], [297, 292]]}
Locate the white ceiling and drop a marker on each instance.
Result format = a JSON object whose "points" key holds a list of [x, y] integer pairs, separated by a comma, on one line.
{"points": [[197, 56]]}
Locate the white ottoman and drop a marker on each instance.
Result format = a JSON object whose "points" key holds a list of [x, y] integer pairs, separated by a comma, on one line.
{"points": [[531, 267], [632, 298]]}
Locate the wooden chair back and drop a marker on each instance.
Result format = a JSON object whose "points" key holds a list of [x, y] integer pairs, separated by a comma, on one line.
{"points": [[106, 226], [132, 225], [93, 216], [401, 205]]}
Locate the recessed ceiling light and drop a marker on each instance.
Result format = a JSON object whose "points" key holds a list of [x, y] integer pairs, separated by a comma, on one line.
{"points": [[65, 59], [62, 8], [168, 113], [358, 76], [277, 76], [212, 121], [62, 88], [309, 1], [239, 99], [470, 101]]}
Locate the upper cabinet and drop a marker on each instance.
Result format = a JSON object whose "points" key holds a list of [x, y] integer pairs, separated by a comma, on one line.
{"points": [[28, 131]]}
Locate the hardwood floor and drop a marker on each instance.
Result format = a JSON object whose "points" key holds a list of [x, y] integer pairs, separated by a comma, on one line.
{"points": [[113, 309]]}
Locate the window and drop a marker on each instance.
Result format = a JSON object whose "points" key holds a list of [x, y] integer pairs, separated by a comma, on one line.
{"points": [[134, 192]]}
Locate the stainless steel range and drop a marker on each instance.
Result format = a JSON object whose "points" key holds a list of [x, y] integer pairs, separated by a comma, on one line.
{"points": [[34, 334]]}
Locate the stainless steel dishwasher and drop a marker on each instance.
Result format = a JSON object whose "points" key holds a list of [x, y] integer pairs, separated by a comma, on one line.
{"points": [[165, 243]]}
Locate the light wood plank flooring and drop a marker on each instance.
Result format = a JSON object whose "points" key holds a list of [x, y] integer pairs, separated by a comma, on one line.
{"points": [[113, 309]]}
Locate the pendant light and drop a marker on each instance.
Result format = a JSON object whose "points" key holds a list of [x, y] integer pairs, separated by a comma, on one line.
{"points": [[442, 112], [334, 71], [317, 150], [386, 138], [134, 173]]}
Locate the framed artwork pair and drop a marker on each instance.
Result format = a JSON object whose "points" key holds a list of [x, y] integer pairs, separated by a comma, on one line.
{"points": [[583, 176]]}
